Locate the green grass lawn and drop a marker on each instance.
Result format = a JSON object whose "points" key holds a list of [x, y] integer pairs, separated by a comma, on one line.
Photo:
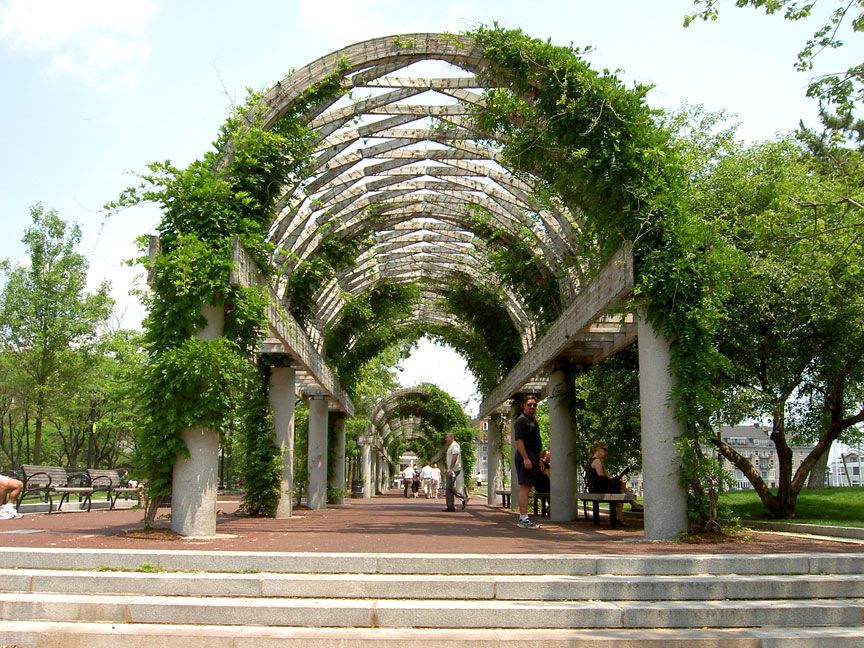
{"points": [[831, 506]]}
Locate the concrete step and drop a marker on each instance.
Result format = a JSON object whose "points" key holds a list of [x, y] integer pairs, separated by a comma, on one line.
{"points": [[477, 564], [96, 635], [420, 613], [443, 586]]}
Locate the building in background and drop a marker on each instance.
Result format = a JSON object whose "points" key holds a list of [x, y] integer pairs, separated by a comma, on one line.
{"points": [[479, 470], [847, 469], [754, 443]]}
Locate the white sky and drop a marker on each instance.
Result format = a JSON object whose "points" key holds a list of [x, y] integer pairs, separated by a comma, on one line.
{"points": [[95, 89]]}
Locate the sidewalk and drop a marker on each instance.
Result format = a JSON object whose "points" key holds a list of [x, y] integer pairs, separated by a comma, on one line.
{"points": [[385, 524]]}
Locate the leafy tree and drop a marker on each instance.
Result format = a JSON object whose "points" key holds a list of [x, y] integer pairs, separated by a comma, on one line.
{"points": [[437, 414], [840, 94], [791, 331], [607, 409], [46, 318], [95, 423]]}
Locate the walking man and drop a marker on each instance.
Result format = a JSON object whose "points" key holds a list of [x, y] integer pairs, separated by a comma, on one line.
{"points": [[426, 473], [527, 457], [454, 486]]}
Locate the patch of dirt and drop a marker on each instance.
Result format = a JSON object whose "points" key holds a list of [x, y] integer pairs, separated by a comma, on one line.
{"points": [[151, 534], [712, 537]]}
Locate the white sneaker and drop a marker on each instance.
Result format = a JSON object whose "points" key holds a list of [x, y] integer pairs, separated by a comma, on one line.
{"points": [[6, 514], [10, 510]]}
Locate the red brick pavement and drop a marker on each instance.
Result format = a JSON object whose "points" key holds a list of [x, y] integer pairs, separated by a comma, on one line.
{"points": [[385, 524]]}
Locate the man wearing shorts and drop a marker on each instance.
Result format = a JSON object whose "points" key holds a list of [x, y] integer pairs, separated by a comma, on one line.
{"points": [[527, 457], [10, 489]]}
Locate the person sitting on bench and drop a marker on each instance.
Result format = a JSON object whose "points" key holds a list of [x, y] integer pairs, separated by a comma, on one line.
{"points": [[10, 489], [599, 481]]}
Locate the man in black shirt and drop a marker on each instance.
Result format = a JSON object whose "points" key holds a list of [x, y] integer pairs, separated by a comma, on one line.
{"points": [[527, 457]]}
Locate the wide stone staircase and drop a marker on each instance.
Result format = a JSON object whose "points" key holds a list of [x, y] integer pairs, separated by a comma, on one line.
{"points": [[150, 599]]}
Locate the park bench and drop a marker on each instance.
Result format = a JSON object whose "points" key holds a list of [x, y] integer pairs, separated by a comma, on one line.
{"points": [[108, 481], [596, 498], [540, 501], [505, 498], [48, 481]]}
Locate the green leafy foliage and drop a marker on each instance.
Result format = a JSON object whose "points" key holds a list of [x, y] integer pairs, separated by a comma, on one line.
{"points": [[438, 413], [46, 318], [369, 323], [231, 192], [261, 463], [334, 253], [840, 92]]}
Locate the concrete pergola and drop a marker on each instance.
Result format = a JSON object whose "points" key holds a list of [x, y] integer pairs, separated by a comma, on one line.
{"points": [[399, 161], [383, 427]]}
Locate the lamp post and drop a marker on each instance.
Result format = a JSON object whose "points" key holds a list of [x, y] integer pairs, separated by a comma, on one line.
{"points": [[11, 436], [91, 440]]}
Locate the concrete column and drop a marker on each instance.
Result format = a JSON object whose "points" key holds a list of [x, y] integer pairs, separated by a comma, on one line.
{"points": [[316, 488], [564, 476], [282, 399], [665, 498], [366, 465], [195, 484], [515, 411], [386, 476], [337, 476], [376, 475], [493, 458], [195, 479]]}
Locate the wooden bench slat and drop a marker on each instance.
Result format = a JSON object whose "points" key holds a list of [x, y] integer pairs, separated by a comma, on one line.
{"points": [[49, 480], [596, 498], [108, 481]]}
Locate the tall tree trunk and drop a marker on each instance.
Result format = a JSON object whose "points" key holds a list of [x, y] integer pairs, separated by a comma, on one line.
{"points": [[37, 430], [816, 478], [786, 495]]}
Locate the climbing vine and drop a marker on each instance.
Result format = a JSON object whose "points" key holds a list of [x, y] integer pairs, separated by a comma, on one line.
{"points": [[230, 192], [599, 147], [333, 253], [518, 266], [370, 322], [438, 413]]}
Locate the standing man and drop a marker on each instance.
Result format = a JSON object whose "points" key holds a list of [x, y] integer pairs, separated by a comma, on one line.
{"points": [[527, 458], [455, 484]]}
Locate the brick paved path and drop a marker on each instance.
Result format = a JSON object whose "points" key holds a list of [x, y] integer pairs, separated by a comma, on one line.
{"points": [[385, 524]]}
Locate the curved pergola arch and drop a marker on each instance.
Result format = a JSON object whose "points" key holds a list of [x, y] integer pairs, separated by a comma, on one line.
{"points": [[400, 167], [386, 169], [385, 423]]}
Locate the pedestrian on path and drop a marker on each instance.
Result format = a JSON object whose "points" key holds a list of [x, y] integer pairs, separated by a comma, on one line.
{"points": [[407, 477], [436, 479], [426, 474], [455, 485], [527, 457]]}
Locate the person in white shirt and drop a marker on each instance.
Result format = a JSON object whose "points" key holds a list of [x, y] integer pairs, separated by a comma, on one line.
{"points": [[426, 479], [455, 485], [407, 477], [436, 479]]}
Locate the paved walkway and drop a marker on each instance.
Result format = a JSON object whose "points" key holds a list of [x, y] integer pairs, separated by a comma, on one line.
{"points": [[385, 524]]}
